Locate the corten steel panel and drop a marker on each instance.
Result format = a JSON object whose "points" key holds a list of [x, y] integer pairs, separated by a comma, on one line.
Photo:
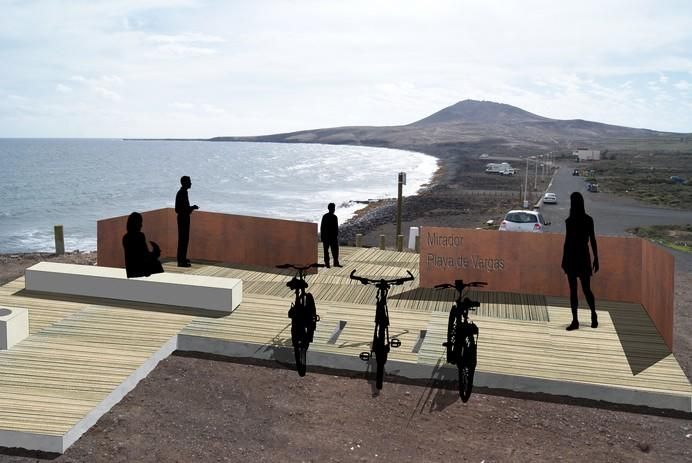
{"points": [[447, 254], [251, 240], [529, 262], [657, 283], [619, 277], [540, 259], [156, 226], [216, 237], [631, 269]]}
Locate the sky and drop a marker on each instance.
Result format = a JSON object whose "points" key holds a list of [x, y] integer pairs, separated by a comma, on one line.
{"points": [[196, 68]]}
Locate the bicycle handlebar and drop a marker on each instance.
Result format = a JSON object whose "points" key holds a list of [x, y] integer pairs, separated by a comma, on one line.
{"points": [[315, 265], [396, 281]]}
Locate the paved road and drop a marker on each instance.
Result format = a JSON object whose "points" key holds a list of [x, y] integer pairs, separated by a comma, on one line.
{"points": [[612, 214]]}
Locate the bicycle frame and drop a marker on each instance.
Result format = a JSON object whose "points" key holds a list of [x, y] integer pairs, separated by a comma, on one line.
{"points": [[381, 342], [462, 336], [303, 315]]}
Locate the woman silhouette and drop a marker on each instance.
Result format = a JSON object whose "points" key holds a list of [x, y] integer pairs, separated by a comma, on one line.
{"points": [[576, 261], [139, 261]]}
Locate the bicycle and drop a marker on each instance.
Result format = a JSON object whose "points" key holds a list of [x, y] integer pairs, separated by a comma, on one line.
{"points": [[462, 336], [381, 342], [303, 315]]}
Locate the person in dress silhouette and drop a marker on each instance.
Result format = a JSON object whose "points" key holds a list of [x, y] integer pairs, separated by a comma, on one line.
{"points": [[329, 233], [576, 261], [184, 210], [139, 261]]}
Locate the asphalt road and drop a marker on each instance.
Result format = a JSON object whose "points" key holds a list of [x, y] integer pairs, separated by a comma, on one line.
{"points": [[612, 215]]}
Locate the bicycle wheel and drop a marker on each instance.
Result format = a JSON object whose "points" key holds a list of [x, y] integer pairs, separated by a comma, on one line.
{"points": [[466, 366], [451, 335], [301, 353], [380, 355], [311, 313], [299, 339]]}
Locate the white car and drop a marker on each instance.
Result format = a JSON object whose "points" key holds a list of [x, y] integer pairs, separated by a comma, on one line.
{"points": [[550, 198], [523, 220]]}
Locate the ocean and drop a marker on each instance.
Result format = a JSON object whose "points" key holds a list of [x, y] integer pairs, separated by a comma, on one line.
{"points": [[75, 182]]}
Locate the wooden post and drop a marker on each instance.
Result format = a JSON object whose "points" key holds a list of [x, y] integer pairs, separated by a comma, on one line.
{"points": [[400, 243], [59, 240], [418, 243], [399, 201], [359, 240], [382, 242]]}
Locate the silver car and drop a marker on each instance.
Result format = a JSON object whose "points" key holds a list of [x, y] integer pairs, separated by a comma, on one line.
{"points": [[550, 198], [523, 220]]}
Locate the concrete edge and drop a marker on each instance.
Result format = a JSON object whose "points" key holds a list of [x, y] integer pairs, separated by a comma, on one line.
{"points": [[515, 383], [284, 355], [31, 441], [118, 393]]}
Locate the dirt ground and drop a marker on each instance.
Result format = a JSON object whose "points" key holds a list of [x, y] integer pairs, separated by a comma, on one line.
{"points": [[205, 409]]}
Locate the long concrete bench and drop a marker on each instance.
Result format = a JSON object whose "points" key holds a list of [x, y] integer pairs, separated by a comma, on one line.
{"points": [[194, 291]]}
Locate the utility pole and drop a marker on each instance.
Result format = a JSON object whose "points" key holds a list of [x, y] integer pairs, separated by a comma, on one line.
{"points": [[543, 168], [535, 173], [526, 181], [399, 202]]}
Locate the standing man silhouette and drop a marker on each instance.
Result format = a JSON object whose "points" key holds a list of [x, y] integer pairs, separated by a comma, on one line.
{"points": [[576, 261], [183, 209], [329, 232]]}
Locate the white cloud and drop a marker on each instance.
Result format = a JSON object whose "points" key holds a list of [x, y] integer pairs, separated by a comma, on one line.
{"points": [[184, 50], [181, 106], [188, 37], [683, 85], [62, 88], [211, 109], [277, 66], [108, 94]]}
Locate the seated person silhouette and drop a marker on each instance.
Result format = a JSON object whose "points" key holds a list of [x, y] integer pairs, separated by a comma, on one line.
{"points": [[139, 261]]}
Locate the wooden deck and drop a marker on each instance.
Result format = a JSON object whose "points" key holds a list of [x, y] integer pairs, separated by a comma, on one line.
{"points": [[84, 354]]}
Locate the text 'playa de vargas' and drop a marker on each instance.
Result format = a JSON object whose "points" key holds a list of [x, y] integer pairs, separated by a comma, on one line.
{"points": [[460, 262]]}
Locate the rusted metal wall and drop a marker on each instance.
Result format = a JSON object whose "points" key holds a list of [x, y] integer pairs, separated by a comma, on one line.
{"points": [[531, 263], [658, 288], [215, 237], [156, 226]]}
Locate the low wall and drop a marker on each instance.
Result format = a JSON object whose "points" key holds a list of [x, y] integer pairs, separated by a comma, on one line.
{"points": [[631, 269], [235, 239]]}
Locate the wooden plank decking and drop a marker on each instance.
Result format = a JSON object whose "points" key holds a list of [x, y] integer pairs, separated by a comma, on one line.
{"points": [[84, 354]]}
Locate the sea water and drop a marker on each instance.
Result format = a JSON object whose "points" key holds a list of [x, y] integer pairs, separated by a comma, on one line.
{"points": [[75, 182]]}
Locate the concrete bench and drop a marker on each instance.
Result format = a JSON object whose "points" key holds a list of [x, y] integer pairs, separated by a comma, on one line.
{"points": [[195, 291], [14, 326]]}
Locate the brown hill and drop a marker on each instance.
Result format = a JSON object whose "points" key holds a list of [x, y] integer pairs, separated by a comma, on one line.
{"points": [[486, 126]]}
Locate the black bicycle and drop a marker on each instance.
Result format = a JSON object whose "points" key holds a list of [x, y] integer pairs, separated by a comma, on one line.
{"points": [[462, 336], [381, 341], [303, 315]]}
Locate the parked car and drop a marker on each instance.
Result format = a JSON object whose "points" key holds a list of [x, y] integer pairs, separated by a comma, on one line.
{"points": [[592, 187], [550, 198], [523, 220], [575, 172]]}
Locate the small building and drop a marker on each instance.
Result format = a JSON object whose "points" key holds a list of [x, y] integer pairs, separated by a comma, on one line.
{"points": [[585, 154]]}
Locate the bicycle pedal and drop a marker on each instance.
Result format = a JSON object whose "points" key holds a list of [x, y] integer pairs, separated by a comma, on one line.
{"points": [[317, 318], [365, 356], [445, 344], [394, 342]]}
